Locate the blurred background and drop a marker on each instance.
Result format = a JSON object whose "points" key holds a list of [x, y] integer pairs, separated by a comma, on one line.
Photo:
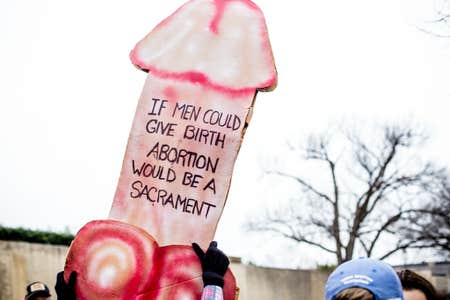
{"points": [[347, 157]]}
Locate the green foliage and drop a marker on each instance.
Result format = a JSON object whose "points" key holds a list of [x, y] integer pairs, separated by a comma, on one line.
{"points": [[35, 236], [326, 268]]}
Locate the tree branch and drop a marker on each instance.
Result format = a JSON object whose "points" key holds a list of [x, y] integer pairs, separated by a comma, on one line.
{"points": [[293, 235], [383, 228], [303, 183]]}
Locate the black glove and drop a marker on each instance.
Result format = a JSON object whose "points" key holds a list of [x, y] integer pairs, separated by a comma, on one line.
{"points": [[214, 264], [66, 291]]}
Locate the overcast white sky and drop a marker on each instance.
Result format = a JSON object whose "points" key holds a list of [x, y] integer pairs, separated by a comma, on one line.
{"points": [[68, 95]]}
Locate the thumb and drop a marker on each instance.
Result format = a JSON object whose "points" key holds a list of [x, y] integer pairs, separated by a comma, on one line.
{"points": [[213, 244], [72, 279], [198, 251]]}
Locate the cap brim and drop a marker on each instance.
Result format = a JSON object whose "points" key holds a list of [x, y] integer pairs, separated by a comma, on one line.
{"points": [[38, 294]]}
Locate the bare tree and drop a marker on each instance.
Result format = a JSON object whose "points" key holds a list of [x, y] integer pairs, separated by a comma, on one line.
{"points": [[430, 225], [373, 185]]}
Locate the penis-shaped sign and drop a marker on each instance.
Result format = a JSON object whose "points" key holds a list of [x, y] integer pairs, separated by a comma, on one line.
{"points": [[205, 63]]}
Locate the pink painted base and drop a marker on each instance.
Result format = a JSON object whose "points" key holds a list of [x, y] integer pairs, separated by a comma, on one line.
{"points": [[118, 261]]}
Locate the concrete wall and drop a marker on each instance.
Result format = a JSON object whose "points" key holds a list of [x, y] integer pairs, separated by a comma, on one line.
{"points": [[267, 283], [22, 263]]}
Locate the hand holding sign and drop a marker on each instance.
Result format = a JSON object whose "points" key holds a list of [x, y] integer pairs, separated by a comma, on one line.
{"points": [[214, 264]]}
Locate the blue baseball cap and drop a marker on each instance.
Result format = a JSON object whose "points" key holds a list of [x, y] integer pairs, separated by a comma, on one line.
{"points": [[373, 275]]}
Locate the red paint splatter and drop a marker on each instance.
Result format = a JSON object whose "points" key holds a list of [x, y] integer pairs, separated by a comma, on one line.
{"points": [[220, 8], [170, 93], [202, 79]]}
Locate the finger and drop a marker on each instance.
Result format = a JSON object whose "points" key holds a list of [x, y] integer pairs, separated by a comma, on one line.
{"points": [[60, 276], [198, 251], [72, 279], [213, 244]]}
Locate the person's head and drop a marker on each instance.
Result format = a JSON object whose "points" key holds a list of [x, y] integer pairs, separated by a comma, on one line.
{"points": [[415, 287], [363, 279], [37, 291], [355, 294]]}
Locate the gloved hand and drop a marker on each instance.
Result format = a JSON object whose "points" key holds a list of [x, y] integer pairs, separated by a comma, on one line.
{"points": [[214, 264], [66, 291]]}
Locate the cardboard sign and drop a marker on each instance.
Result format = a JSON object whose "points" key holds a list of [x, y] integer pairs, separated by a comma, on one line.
{"points": [[205, 64]]}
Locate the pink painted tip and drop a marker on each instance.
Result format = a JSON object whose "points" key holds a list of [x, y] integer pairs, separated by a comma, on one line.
{"points": [[222, 44]]}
